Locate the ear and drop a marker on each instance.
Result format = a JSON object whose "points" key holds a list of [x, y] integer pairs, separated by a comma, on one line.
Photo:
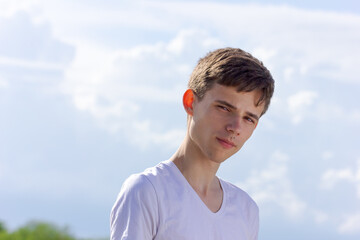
{"points": [[188, 100]]}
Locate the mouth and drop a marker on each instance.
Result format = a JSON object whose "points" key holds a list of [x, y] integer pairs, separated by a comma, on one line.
{"points": [[225, 143]]}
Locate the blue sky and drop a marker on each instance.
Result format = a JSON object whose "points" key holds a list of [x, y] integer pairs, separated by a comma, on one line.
{"points": [[90, 92]]}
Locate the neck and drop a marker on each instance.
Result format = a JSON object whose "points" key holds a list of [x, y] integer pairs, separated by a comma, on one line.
{"points": [[198, 170]]}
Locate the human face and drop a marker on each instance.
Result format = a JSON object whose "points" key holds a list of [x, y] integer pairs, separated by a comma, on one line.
{"points": [[222, 121]]}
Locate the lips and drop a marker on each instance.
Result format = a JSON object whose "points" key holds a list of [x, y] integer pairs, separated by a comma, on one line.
{"points": [[225, 143]]}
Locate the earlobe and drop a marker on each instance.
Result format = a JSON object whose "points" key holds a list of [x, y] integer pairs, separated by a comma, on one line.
{"points": [[188, 100]]}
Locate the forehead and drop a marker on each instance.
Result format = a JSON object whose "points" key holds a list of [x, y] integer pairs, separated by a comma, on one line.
{"points": [[234, 97]]}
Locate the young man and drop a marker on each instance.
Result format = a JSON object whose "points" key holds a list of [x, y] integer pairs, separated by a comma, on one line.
{"points": [[182, 198]]}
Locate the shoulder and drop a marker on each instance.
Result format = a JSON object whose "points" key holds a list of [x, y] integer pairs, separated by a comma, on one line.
{"points": [[136, 194], [135, 212], [137, 185], [145, 182]]}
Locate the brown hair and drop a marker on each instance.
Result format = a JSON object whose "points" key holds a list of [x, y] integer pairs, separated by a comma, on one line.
{"points": [[232, 67]]}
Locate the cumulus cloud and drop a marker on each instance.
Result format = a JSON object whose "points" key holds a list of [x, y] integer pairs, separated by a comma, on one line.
{"points": [[325, 111], [299, 103], [26, 64], [331, 177], [29, 52], [272, 185], [21, 38], [347, 223], [286, 34], [301, 48], [111, 85], [293, 50], [170, 139], [350, 225], [9, 8]]}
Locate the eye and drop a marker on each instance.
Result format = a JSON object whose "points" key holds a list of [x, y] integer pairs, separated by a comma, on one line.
{"points": [[223, 108], [250, 120]]}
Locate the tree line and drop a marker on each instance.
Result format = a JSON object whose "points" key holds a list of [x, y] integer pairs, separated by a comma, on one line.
{"points": [[35, 230]]}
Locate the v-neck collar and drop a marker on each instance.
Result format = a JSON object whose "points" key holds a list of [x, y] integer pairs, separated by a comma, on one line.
{"points": [[187, 185]]}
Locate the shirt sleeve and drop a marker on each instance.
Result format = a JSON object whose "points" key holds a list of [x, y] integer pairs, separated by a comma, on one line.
{"points": [[134, 215]]}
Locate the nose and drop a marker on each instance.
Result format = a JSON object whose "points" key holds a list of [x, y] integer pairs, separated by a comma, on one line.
{"points": [[234, 126]]}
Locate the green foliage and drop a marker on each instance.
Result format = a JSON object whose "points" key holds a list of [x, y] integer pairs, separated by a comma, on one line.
{"points": [[2, 227], [36, 231], [3, 232]]}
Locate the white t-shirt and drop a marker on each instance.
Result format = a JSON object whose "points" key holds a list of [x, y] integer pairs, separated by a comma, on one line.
{"points": [[160, 204]]}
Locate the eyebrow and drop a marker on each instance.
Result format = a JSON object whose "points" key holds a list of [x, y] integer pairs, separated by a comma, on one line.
{"points": [[235, 108]]}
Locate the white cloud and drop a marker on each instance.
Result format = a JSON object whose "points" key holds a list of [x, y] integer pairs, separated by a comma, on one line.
{"points": [[267, 55], [350, 225], [22, 39], [324, 111], [145, 136], [186, 38], [333, 176], [28, 52], [10, 7], [287, 44], [288, 73], [284, 30], [111, 85], [299, 103], [301, 99], [31, 64], [272, 185]]}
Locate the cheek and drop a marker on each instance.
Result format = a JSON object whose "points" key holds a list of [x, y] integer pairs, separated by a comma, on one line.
{"points": [[201, 130], [249, 132], [246, 133]]}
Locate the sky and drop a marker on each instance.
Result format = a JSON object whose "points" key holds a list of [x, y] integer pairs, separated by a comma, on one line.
{"points": [[90, 92]]}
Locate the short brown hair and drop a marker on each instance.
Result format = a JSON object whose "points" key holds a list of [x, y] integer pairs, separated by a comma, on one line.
{"points": [[232, 67]]}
